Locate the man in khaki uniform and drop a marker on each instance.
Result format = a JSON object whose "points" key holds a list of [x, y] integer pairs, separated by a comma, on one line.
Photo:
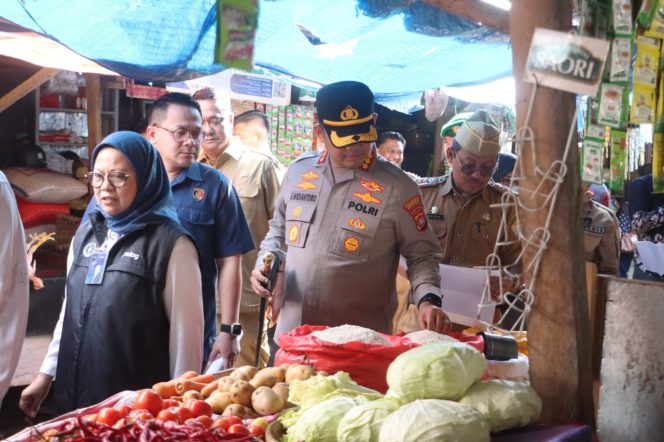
{"points": [[256, 177], [343, 217], [601, 236]]}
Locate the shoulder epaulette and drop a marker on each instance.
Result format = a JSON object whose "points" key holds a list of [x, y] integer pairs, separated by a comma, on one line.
{"points": [[430, 181]]}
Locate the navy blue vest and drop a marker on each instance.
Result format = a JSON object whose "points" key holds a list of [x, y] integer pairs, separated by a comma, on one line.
{"points": [[115, 335]]}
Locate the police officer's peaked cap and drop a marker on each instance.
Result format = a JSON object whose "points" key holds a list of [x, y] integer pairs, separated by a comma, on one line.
{"points": [[479, 134], [451, 127], [346, 111]]}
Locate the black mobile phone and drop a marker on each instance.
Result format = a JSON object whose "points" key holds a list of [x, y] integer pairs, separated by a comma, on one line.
{"points": [[272, 273]]}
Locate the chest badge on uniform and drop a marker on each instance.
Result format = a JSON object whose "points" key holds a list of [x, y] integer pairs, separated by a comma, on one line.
{"points": [[486, 216], [89, 249], [294, 233], [434, 213], [367, 197], [372, 186], [306, 185], [357, 223], [297, 212], [351, 244], [309, 175], [198, 194]]}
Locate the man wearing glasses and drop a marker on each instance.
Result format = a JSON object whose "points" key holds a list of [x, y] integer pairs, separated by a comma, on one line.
{"points": [[257, 178], [458, 205], [209, 208], [342, 219]]}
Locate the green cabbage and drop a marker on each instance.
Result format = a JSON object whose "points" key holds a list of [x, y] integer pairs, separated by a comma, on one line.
{"points": [[362, 423], [435, 371], [319, 388], [320, 422], [505, 404], [434, 420]]}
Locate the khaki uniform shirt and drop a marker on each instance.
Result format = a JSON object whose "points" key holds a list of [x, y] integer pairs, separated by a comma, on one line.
{"points": [[341, 236], [601, 237], [257, 179], [467, 229]]}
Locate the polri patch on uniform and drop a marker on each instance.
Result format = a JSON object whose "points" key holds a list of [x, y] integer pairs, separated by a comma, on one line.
{"points": [[198, 194], [415, 209]]}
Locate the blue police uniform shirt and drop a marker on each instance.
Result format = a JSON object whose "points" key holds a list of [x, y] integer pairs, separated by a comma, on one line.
{"points": [[209, 208]]}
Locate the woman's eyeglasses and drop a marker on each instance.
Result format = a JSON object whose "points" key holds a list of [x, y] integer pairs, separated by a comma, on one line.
{"points": [[117, 179]]}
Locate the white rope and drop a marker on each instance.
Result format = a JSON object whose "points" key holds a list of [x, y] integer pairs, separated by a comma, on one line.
{"points": [[535, 243]]}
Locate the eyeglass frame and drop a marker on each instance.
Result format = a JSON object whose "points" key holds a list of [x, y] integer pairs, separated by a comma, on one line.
{"points": [[90, 176], [471, 169], [198, 139]]}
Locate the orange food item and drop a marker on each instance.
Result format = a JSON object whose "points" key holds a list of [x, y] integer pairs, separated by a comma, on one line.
{"points": [[203, 378], [165, 389], [209, 388], [188, 375], [185, 385]]}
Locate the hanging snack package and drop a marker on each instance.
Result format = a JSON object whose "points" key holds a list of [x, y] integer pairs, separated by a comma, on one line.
{"points": [[642, 110], [593, 128], [586, 18], [658, 144], [591, 161], [646, 13], [656, 28], [611, 109], [622, 16], [646, 66], [618, 160], [236, 31], [621, 60]]}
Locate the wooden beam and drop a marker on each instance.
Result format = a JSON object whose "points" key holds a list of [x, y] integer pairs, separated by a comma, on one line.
{"points": [[93, 96], [558, 331], [476, 11], [37, 79]]}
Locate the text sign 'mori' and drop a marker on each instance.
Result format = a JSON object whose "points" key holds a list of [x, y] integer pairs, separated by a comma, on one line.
{"points": [[567, 62]]}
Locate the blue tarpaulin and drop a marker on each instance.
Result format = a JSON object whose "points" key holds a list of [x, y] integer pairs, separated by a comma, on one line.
{"points": [[396, 47]]}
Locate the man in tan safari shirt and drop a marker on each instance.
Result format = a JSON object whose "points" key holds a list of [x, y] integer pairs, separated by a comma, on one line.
{"points": [[601, 236], [256, 177], [343, 217]]}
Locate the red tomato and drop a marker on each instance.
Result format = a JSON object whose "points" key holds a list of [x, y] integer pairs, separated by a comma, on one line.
{"points": [[221, 424], [168, 403], [167, 415], [199, 408], [205, 420], [108, 416], [183, 413], [148, 400], [143, 415], [232, 420], [256, 430], [124, 410], [238, 429]]}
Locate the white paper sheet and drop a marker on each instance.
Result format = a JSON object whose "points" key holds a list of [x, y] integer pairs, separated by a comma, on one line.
{"points": [[462, 293], [652, 256]]}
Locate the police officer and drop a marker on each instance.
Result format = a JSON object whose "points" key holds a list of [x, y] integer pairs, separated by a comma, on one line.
{"points": [[209, 208], [343, 217], [601, 236], [256, 177], [459, 204], [449, 130]]}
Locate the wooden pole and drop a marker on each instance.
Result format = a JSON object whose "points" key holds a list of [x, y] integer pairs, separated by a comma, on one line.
{"points": [[37, 79], [558, 330], [93, 97]]}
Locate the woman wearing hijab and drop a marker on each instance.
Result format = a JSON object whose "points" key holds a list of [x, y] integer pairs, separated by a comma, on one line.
{"points": [[133, 313]]}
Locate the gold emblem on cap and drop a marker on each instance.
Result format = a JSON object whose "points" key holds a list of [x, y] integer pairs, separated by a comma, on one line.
{"points": [[349, 113]]}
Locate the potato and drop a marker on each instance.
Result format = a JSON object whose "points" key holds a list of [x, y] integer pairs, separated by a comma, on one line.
{"points": [[241, 375], [240, 411], [266, 401], [219, 400], [282, 389], [263, 379], [240, 392], [192, 394], [277, 372], [301, 372], [249, 370], [225, 383]]}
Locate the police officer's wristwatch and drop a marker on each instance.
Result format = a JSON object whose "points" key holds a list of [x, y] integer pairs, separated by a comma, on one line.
{"points": [[432, 298], [233, 329]]}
